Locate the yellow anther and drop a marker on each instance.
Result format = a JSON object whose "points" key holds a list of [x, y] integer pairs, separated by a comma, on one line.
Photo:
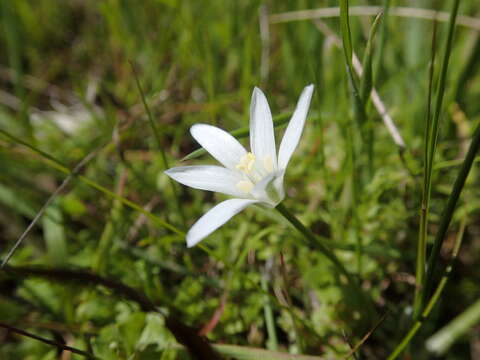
{"points": [[245, 185], [268, 163], [246, 163]]}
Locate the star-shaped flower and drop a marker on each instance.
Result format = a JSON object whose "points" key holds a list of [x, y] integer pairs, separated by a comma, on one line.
{"points": [[254, 177]]}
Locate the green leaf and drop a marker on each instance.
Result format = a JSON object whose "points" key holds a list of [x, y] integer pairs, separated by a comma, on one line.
{"points": [[16, 202], [366, 82], [358, 105], [442, 340], [346, 36], [54, 235]]}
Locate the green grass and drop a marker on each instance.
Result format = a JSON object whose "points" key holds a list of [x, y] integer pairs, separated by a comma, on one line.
{"points": [[116, 84]]}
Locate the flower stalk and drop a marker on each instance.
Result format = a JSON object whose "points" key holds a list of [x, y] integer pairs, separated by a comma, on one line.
{"points": [[313, 241]]}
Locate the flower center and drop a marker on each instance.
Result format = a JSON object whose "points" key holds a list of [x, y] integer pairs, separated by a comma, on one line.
{"points": [[253, 171], [246, 163]]}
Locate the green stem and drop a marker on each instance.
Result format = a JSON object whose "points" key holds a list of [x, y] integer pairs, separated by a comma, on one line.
{"points": [[272, 342], [422, 292], [156, 134], [450, 208], [422, 235], [313, 241], [433, 300]]}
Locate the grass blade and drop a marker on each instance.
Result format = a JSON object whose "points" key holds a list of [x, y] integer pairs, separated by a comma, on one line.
{"points": [[48, 341], [346, 35], [159, 143], [58, 165], [366, 86], [366, 81], [450, 208], [440, 342], [45, 206], [358, 104], [433, 300], [422, 236], [432, 144]]}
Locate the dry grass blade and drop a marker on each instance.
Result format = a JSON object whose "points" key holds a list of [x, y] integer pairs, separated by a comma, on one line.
{"points": [[409, 12], [52, 197], [366, 336], [377, 101], [47, 341]]}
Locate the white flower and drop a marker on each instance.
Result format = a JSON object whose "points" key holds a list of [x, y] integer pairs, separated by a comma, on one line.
{"points": [[251, 177]]}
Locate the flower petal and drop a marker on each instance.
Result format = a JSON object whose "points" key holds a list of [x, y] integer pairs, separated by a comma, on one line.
{"points": [[214, 218], [262, 137], [295, 128], [208, 177], [220, 144]]}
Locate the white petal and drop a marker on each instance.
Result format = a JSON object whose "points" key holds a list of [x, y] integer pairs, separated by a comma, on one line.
{"points": [[295, 128], [208, 177], [220, 144], [262, 137], [214, 218]]}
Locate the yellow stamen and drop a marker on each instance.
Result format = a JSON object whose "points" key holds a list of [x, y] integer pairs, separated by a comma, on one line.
{"points": [[245, 185], [246, 163]]}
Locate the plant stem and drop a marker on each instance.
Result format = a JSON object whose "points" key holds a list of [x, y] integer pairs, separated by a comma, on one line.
{"points": [[312, 240], [272, 342], [449, 209], [58, 345], [422, 233], [421, 295], [156, 134], [433, 300]]}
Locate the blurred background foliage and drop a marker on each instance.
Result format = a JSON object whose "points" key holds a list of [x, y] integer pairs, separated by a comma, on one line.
{"points": [[67, 88]]}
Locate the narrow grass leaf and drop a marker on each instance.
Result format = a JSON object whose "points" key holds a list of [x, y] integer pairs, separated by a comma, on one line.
{"points": [[346, 35], [424, 207], [366, 86], [54, 235], [59, 166], [366, 81], [433, 300], [45, 206], [449, 209], [48, 341], [156, 133], [432, 144], [110, 230], [442, 340], [358, 104]]}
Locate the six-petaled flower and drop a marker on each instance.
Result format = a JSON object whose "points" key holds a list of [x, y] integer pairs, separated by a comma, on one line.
{"points": [[254, 177]]}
